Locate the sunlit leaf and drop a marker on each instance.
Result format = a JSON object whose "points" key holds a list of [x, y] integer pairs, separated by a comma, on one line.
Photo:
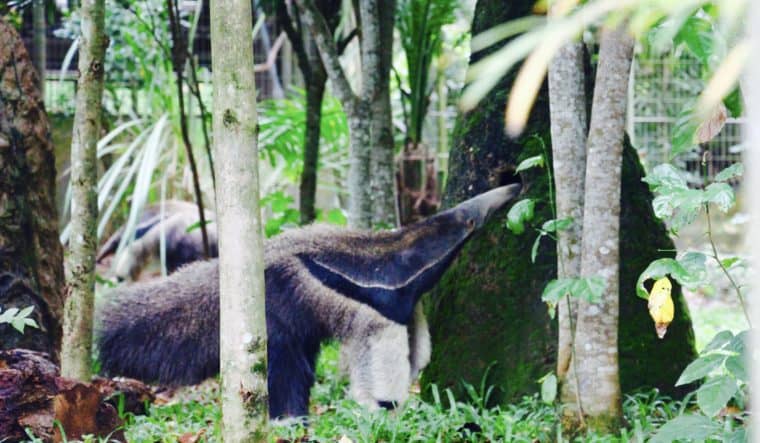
{"points": [[715, 393], [518, 214]]}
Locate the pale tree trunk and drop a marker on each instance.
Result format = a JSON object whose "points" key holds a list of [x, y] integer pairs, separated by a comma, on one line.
{"points": [[567, 108], [76, 353], [40, 41], [596, 337], [378, 38], [31, 256], [752, 158], [364, 132], [243, 334]]}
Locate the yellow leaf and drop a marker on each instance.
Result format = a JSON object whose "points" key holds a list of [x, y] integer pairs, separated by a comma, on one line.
{"points": [[661, 306]]}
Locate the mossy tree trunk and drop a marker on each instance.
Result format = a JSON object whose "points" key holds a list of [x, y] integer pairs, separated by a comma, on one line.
{"points": [[31, 257], [243, 334], [76, 352], [486, 316]]}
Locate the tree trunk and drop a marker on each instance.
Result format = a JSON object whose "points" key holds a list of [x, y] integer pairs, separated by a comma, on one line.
{"points": [[31, 257], [567, 112], [76, 352], [316, 79], [364, 132], [486, 311], [596, 335], [383, 176], [243, 334], [40, 42]]}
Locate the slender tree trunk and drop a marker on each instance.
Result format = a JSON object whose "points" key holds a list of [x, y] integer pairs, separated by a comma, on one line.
{"points": [[567, 112], [360, 212], [596, 348], [243, 334], [31, 257], [316, 80], [383, 149], [76, 353], [359, 108], [40, 42]]}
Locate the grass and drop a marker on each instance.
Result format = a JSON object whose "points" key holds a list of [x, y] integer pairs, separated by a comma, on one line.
{"points": [[446, 419]]}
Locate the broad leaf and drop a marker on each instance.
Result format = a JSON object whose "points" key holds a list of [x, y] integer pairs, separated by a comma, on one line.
{"points": [[721, 194], [721, 339], [693, 427], [666, 175], [735, 170], [656, 270], [518, 214], [715, 393], [737, 367], [590, 289], [530, 162], [555, 225], [700, 368], [549, 388]]}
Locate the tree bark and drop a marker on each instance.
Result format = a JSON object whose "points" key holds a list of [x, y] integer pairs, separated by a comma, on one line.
{"points": [[485, 315], [567, 113], [40, 42], [76, 352], [315, 91], [596, 347], [365, 133], [383, 182], [31, 257], [243, 334]]}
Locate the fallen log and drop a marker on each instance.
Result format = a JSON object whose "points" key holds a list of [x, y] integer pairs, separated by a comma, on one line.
{"points": [[34, 398]]}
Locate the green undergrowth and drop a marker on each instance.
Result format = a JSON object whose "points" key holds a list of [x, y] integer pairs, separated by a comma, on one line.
{"points": [[195, 416]]}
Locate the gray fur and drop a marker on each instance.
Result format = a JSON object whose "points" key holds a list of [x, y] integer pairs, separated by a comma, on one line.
{"points": [[322, 282], [182, 247]]}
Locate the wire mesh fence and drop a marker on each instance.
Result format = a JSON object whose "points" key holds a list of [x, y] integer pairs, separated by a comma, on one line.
{"points": [[661, 89]]}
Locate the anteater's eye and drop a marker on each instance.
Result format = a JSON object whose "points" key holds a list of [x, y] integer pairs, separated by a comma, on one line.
{"points": [[470, 223]]}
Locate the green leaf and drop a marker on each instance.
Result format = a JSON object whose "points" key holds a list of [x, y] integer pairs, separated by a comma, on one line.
{"points": [[738, 436], [197, 225], [739, 343], [549, 388], [698, 36], [715, 393], [720, 340], [555, 225], [730, 261], [555, 290], [694, 269], [590, 289], [534, 249], [736, 366], [683, 138], [656, 270], [530, 162], [694, 427], [721, 194], [735, 170], [700, 368], [666, 175], [25, 312], [518, 214], [733, 103], [8, 315]]}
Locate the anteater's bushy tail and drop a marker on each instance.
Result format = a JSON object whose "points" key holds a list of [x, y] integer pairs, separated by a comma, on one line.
{"points": [[164, 331]]}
